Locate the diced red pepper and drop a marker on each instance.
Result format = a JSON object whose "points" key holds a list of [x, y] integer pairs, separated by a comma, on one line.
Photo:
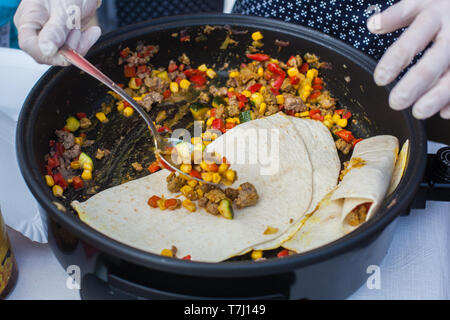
{"points": [[181, 67], [153, 201], [276, 92], [218, 124], [163, 164], [314, 111], [185, 38], [125, 52], [154, 167], [213, 112], [138, 82], [347, 115], [317, 81], [241, 105], [279, 82], [294, 80], [230, 125], [171, 204], [188, 257], [166, 94], [193, 72], [242, 98], [317, 87], [315, 94], [345, 135], [291, 62], [267, 76], [129, 72], [59, 149], [81, 115], [317, 116], [60, 181], [172, 66], [339, 111], [304, 68], [354, 142], [53, 163], [274, 68], [164, 129], [231, 94], [195, 174], [255, 88], [77, 183], [290, 112], [178, 80], [142, 69], [258, 56], [198, 80], [283, 253], [212, 167]]}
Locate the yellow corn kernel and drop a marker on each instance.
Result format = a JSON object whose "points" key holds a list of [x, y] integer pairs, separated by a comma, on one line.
{"points": [[75, 165], [312, 73], [234, 74], [256, 254], [120, 106], [292, 72], [186, 189], [174, 87], [263, 90], [203, 68], [257, 44], [206, 142], [230, 120], [328, 123], [128, 112], [257, 98], [304, 114], [86, 175], [237, 120], [297, 115], [101, 116], [167, 253], [186, 168], [274, 61], [185, 84], [87, 166], [328, 117], [247, 93], [192, 183], [262, 108], [199, 192], [163, 75], [57, 191], [207, 176], [223, 167], [342, 123], [230, 175], [211, 73], [231, 89], [210, 121], [79, 140], [188, 204], [161, 203], [260, 72], [70, 181], [216, 177], [196, 140], [336, 118], [256, 36], [280, 99], [132, 84], [138, 98], [305, 92], [49, 180]]}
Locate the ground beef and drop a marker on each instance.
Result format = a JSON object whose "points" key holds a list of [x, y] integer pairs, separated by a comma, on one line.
{"points": [[174, 183], [325, 101], [343, 146], [233, 107], [221, 92], [269, 97], [202, 202], [85, 123], [156, 84], [66, 138], [272, 109], [212, 208], [293, 103], [151, 98], [205, 188], [176, 74], [247, 196], [231, 193], [72, 153], [220, 111], [184, 59], [215, 195], [246, 75], [287, 86], [203, 97]]}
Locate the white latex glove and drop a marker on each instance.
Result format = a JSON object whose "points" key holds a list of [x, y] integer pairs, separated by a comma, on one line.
{"points": [[44, 27], [426, 86]]}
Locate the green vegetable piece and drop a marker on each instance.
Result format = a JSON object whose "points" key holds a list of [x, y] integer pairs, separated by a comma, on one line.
{"points": [[199, 110], [217, 101], [245, 116], [85, 159], [72, 124], [225, 209]]}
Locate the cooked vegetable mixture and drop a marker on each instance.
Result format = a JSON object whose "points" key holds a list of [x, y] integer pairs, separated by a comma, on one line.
{"points": [[261, 86]]}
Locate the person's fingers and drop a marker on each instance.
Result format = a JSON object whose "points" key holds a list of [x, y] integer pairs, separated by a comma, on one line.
{"points": [[88, 38], [73, 39], [422, 76], [434, 100], [415, 39], [445, 113], [395, 17], [54, 34]]}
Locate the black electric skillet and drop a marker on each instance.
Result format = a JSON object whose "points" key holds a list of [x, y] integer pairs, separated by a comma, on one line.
{"points": [[110, 269]]}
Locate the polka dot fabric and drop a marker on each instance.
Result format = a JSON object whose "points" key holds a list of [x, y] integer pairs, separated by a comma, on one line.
{"points": [[345, 20], [133, 11]]}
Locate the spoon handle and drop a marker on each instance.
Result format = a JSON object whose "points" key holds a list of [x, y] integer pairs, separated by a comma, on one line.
{"points": [[79, 61]]}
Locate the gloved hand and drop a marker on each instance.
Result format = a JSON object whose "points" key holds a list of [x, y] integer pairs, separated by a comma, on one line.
{"points": [[46, 25], [426, 86]]}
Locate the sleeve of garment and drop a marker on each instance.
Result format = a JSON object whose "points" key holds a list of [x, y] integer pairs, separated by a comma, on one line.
{"points": [[107, 16]]}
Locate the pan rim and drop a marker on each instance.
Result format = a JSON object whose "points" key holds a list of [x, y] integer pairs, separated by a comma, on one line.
{"points": [[412, 176]]}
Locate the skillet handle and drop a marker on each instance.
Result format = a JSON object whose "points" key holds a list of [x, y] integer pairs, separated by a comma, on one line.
{"points": [[435, 185]]}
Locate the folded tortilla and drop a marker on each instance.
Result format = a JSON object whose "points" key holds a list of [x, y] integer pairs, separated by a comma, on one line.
{"points": [[367, 179], [285, 194]]}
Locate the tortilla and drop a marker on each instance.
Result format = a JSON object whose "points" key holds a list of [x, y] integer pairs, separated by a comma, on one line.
{"points": [[399, 168], [366, 181], [324, 160], [122, 212]]}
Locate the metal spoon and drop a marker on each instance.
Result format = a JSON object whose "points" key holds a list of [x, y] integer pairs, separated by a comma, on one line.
{"points": [[161, 143]]}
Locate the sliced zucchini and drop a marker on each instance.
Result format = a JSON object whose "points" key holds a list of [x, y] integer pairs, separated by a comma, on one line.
{"points": [[199, 110], [85, 159], [72, 124], [245, 116], [225, 209], [217, 101]]}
